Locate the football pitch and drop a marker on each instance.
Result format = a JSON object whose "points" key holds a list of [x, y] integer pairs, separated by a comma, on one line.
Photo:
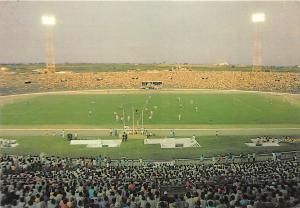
{"points": [[152, 110]]}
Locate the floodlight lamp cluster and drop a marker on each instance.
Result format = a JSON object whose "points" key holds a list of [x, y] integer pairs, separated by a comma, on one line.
{"points": [[258, 17], [48, 20]]}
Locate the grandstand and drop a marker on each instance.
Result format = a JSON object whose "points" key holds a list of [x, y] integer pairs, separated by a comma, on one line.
{"points": [[218, 80], [91, 182]]}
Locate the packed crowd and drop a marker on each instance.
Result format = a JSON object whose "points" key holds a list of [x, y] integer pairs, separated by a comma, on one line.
{"points": [[44, 181], [225, 80]]}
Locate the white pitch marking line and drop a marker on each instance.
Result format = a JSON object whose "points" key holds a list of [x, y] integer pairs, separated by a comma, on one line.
{"points": [[155, 129]]}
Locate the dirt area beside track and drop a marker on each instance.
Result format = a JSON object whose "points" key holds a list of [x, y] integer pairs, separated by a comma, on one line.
{"points": [[158, 132]]}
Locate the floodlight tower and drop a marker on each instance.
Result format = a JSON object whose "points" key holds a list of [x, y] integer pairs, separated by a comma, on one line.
{"points": [[257, 19], [49, 22]]}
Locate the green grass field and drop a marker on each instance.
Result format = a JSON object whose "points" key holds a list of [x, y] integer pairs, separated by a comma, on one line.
{"points": [[167, 110], [134, 148]]}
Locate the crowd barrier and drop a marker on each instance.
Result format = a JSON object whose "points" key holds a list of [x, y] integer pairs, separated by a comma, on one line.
{"points": [[106, 161], [291, 155]]}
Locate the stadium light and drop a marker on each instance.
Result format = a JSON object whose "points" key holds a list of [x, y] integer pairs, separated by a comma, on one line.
{"points": [[48, 20], [258, 17]]}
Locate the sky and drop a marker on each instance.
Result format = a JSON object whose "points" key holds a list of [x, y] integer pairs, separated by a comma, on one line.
{"points": [[150, 32]]}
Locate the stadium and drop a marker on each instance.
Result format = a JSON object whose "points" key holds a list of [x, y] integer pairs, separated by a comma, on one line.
{"points": [[148, 135]]}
